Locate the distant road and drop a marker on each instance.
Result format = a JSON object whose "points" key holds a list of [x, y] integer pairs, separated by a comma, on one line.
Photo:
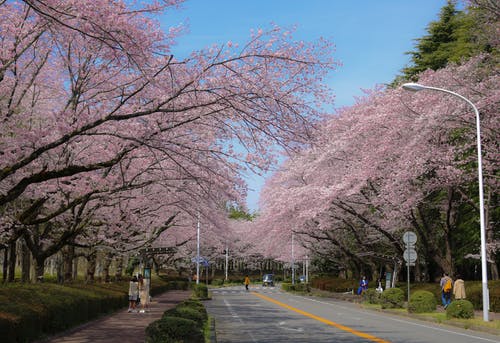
{"points": [[269, 315]]}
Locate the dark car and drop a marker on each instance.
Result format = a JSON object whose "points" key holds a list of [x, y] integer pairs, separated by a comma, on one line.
{"points": [[268, 280]]}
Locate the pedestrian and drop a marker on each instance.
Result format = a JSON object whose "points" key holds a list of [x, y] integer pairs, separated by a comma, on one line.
{"points": [[363, 285], [379, 286], [133, 293], [143, 285], [247, 282], [459, 288], [446, 284]]}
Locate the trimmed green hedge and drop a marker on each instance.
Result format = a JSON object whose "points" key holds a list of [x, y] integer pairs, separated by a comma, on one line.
{"points": [[372, 296], [460, 309], [422, 301], [33, 311], [201, 291], [183, 323], [334, 284], [473, 289], [298, 287], [392, 298]]}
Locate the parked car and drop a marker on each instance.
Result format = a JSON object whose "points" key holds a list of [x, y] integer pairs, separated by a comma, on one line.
{"points": [[302, 279], [268, 280]]}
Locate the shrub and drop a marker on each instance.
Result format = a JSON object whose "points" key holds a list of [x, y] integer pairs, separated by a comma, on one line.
{"points": [[422, 301], [460, 309], [31, 311], [187, 313], [217, 282], [201, 291], [334, 284], [302, 287], [174, 330], [392, 298], [189, 309], [371, 296]]}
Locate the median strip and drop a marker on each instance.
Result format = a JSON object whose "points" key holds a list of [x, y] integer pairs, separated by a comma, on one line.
{"points": [[323, 320]]}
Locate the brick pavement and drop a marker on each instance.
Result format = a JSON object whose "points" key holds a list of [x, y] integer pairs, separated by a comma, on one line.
{"points": [[121, 326]]}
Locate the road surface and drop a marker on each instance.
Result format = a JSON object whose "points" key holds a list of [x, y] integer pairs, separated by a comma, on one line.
{"points": [[265, 314]]}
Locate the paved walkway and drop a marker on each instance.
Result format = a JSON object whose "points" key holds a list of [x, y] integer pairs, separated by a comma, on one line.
{"points": [[121, 327]]}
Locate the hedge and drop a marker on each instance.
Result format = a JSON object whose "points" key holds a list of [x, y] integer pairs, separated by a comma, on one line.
{"points": [[181, 324], [33, 311], [473, 289]]}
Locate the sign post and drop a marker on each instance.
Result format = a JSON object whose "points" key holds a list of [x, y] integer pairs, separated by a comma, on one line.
{"points": [[409, 255]]}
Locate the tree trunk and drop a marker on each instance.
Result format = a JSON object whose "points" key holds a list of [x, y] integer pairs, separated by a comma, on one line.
{"points": [[39, 268], [105, 269], [494, 271], [119, 268], [5, 264], [68, 255], [75, 268], [25, 262], [12, 261], [60, 268], [91, 267]]}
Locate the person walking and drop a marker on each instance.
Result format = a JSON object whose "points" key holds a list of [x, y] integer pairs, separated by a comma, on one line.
{"points": [[363, 285], [247, 282], [459, 288], [446, 284], [133, 293], [143, 285]]}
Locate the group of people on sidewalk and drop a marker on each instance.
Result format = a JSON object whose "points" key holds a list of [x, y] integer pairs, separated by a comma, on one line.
{"points": [[138, 293], [446, 283], [448, 287]]}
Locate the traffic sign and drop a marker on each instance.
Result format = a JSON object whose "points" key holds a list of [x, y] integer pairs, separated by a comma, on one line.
{"points": [[410, 255], [203, 261], [410, 238]]}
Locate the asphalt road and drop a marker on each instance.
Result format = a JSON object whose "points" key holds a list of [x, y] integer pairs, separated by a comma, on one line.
{"points": [[269, 315]]}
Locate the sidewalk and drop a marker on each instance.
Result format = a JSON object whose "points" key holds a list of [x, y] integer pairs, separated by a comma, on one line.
{"points": [[121, 326]]}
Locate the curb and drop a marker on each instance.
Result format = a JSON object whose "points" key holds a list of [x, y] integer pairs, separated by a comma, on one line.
{"points": [[213, 334]]}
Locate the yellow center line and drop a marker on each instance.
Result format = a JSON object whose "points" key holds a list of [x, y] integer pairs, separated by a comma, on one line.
{"points": [[323, 320]]}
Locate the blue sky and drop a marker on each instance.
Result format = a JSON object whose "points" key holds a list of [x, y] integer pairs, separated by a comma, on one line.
{"points": [[371, 36]]}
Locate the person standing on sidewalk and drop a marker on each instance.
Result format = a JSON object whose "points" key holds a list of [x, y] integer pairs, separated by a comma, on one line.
{"points": [[459, 288], [446, 284], [143, 293], [133, 293], [247, 282]]}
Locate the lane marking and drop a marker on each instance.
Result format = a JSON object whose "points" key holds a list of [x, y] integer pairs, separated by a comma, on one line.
{"points": [[323, 320], [235, 315], [402, 321]]}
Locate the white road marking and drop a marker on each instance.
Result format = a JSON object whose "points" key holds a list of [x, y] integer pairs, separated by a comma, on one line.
{"points": [[235, 315], [282, 325], [405, 321]]}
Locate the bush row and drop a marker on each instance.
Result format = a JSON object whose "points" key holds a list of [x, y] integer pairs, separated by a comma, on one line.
{"points": [[421, 301], [472, 288], [298, 287], [33, 311], [183, 323], [334, 284]]}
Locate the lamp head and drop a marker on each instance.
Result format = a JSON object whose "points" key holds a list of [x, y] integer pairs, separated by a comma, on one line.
{"points": [[414, 87]]}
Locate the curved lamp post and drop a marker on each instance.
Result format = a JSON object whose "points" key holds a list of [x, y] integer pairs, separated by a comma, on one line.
{"points": [[415, 87], [198, 249]]}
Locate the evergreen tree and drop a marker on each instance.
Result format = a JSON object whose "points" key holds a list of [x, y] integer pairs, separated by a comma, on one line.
{"points": [[450, 39]]}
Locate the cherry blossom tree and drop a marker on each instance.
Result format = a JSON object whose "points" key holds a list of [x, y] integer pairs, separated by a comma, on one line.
{"points": [[96, 113], [382, 166]]}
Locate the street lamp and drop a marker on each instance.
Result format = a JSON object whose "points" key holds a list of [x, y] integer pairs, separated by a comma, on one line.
{"points": [[293, 264], [415, 87], [198, 250]]}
